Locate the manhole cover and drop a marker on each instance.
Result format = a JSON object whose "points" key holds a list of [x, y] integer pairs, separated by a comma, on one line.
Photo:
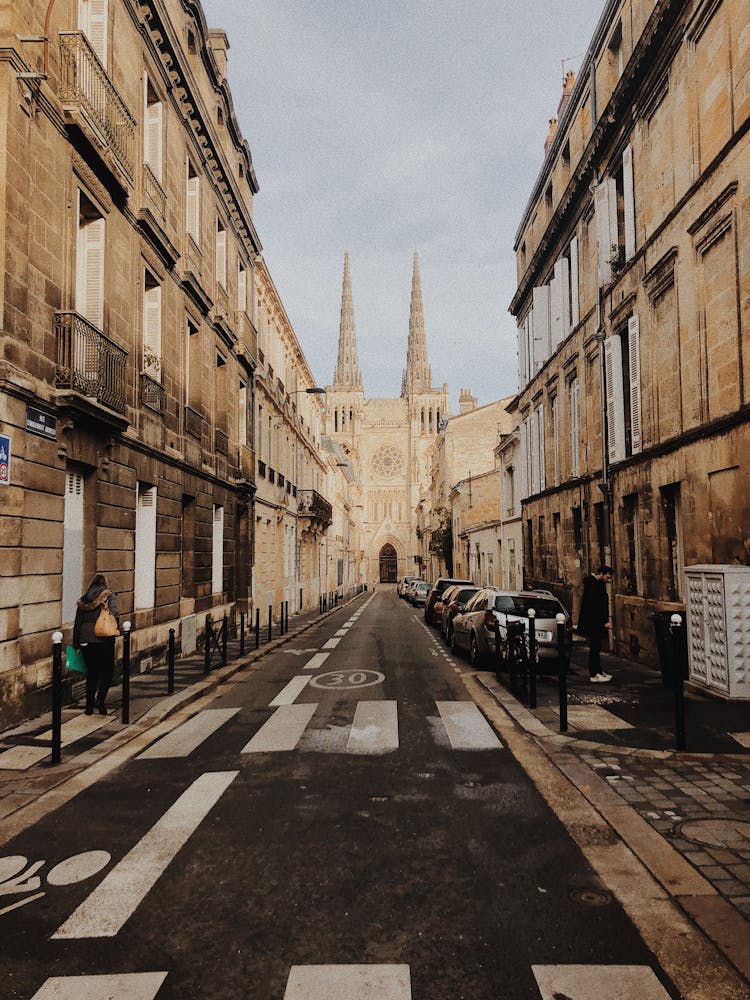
{"points": [[591, 897], [732, 834]]}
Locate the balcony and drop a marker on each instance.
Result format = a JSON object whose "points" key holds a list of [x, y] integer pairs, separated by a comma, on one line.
{"points": [[152, 216], [153, 394], [248, 336], [154, 194], [91, 103], [192, 274], [88, 362], [312, 505], [246, 463]]}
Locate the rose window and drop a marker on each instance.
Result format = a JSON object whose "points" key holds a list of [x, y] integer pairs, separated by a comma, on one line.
{"points": [[387, 462]]}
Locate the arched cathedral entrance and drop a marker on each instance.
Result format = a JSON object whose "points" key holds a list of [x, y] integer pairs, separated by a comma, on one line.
{"points": [[388, 564]]}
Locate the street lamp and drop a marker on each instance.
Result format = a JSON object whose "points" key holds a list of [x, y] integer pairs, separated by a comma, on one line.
{"points": [[313, 390]]}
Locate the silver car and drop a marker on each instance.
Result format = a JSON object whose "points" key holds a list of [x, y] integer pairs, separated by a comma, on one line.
{"points": [[419, 594], [485, 621]]}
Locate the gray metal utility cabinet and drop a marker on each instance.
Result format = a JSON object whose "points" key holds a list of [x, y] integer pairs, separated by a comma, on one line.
{"points": [[718, 628]]}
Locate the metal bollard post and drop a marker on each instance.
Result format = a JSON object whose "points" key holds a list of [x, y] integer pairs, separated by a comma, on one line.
{"points": [[207, 646], [286, 616], [562, 675], [57, 638], [281, 618], [257, 627], [170, 663], [532, 658], [242, 633], [224, 634], [678, 638], [270, 621], [126, 626]]}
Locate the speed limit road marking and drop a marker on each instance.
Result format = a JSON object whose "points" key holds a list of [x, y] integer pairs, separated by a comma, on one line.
{"points": [[347, 679]]}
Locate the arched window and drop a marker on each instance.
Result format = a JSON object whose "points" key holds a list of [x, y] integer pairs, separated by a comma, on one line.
{"points": [[423, 421], [335, 420]]}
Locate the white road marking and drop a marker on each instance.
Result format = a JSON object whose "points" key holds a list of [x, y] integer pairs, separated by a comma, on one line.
{"points": [[282, 731], [341, 633], [583, 717], [125, 986], [332, 643], [288, 695], [317, 661], [742, 738], [466, 727], [592, 982], [104, 912], [21, 758], [375, 727], [348, 982], [183, 740]]}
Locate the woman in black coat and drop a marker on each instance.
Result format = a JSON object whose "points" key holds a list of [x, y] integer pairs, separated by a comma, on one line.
{"points": [[98, 651]]}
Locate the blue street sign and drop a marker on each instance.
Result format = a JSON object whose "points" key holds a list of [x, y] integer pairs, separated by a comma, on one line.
{"points": [[4, 460]]}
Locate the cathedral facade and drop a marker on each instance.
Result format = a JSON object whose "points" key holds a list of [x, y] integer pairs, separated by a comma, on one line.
{"points": [[389, 443]]}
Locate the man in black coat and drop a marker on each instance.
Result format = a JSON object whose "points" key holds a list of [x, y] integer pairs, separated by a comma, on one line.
{"points": [[593, 619]]}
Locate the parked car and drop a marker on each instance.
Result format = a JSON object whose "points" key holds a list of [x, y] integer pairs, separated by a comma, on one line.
{"points": [[437, 610], [488, 613], [419, 594], [409, 588], [454, 602], [440, 585], [403, 583]]}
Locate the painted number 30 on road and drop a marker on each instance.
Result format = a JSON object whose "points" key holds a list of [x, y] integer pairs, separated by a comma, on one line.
{"points": [[344, 679]]}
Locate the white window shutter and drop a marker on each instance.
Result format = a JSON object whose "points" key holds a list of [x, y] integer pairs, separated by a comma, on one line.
{"points": [[152, 138], [144, 588], [628, 201], [221, 257], [523, 470], [634, 359], [614, 399], [555, 441], [605, 211], [575, 302], [217, 554], [193, 208], [92, 20], [540, 427], [575, 469], [241, 288], [72, 568], [152, 332], [541, 326], [560, 303], [528, 333], [90, 272]]}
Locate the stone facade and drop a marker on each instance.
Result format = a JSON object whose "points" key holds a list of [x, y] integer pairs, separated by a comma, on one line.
{"points": [[633, 264], [127, 255]]}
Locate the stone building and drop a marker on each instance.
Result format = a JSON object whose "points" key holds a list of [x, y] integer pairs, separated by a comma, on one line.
{"points": [[127, 335], [511, 471], [389, 442], [633, 267]]}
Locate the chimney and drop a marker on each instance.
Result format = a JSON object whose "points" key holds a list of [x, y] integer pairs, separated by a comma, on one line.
{"points": [[466, 402], [550, 135], [219, 43], [570, 79]]}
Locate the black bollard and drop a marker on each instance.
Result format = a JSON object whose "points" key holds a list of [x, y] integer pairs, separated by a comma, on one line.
{"points": [[224, 634], [270, 621], [532, 658], [57, 638], [170, 663], [207, 647], [562, 675], [242, 633], [678, 669], [126, 672], [281, 618], [286, 616], [257, 627]]}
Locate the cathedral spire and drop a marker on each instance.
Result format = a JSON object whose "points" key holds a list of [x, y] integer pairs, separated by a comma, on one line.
{"points": [[418, 377], [347, 374]]}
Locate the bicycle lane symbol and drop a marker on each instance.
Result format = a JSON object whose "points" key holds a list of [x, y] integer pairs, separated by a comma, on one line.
{"points": [[345, 680]]}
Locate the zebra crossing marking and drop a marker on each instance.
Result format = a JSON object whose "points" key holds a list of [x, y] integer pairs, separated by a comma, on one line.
{"points": [[592, 982], [288, 695], [466, 727], [375, 728], [316, 661], [124, 986], [104, 912], [348, 982], [183, 740], [282, 731], [22, 758]]}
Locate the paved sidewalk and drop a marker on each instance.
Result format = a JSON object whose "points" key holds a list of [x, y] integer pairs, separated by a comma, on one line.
{"points": [[26, 770]]}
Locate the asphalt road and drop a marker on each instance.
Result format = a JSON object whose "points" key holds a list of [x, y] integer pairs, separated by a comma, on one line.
{"points": [[365, 838]]}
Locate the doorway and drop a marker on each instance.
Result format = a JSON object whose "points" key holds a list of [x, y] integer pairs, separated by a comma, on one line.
{"points": [[388, 564]]}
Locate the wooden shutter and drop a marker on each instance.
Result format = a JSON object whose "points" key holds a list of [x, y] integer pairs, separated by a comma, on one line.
{"points": [[193, 207], [144, 586], [541, 327], [634, 373], [605, 212], [628, 201], [92, 20], [555, 441], [540, 433], [217, 551], [152, 331], [574, 439], [575, 302], [560, 303], [152, 136], [221, 256], [90, 271], [241, 288], [72, 567], [614, 399]]}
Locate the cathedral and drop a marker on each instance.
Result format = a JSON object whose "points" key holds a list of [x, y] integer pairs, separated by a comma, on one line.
{"points": [[388, 442]]}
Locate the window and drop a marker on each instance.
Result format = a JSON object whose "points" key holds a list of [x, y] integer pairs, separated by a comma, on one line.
{"points": [[151, 326], [575, 461], [145, 546], [540, 322], [192, 365], [220, 392], [193, 204], [622, 367], [558, 540], [530, 547], [542, 550], [615, 56], [241, 287], [555, 441], [217, 550], [630, 568], [614, 210], [242, 416], [577, 518], [601, 532], [191, 46], [670, 505], [187, 548], [221, 254], [92, 20], [72, 568], [153, 131], [90, 262]]}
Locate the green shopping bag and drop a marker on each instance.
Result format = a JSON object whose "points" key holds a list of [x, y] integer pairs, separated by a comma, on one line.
{"points": [[74, 660]]}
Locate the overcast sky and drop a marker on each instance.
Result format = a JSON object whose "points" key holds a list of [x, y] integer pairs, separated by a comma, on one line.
{"points": [[381, 128]]}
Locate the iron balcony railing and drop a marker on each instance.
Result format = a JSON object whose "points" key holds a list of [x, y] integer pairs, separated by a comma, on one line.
{"points": [[153, 394], [247, 334], [154, 194], [86, 90], [88, 361], [311, 504]]}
